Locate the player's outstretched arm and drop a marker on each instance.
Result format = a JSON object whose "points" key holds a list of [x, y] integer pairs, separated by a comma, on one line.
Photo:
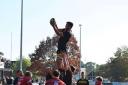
{"points": [[55, 27]]}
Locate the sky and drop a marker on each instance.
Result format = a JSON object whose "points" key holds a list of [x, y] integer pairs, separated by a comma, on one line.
{"points": [[104, 25]]}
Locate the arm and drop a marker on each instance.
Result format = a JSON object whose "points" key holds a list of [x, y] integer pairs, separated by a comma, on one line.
{"points": [[57, 31], [87, 82], [78, 82], [47, 82], [15, 81], [72, 39]]}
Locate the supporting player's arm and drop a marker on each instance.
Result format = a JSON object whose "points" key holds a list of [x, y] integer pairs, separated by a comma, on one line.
{"points": [[72, 39]]}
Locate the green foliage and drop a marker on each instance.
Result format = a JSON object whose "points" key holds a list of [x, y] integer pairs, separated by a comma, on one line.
{"points": [[82, 64], [116, 69], [25, 64], [90, 66], [1, 53], [100, 70]]}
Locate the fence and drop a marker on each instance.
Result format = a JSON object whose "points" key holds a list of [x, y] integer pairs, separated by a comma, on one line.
{"points": [[119, 83], [111, 83]]}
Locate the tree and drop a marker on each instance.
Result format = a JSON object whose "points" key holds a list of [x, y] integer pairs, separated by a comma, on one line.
{"points": [[15, 66], [101, 70], [1, 53], [82, 64], [90, 66], [116, 69], [90, 69], [45, 55]]}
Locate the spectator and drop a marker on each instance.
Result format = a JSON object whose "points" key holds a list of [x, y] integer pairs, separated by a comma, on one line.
{"points": [[99, 80], [9, 80], [55, 80], [82, 80], [48, 74], [26, 80], [19, 74]]}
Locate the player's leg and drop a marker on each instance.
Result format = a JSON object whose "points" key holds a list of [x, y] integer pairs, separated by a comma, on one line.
{"points": [[65, 60], [60, 66], [68, 76], [59, 61], [62, 61]]}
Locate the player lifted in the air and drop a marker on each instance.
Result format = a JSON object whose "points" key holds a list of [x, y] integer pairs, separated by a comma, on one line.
{"points": [[64, 36]]}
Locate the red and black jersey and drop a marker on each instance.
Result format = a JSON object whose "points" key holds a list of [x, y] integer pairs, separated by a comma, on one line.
{"points": [[63, 41], [55, 81]]}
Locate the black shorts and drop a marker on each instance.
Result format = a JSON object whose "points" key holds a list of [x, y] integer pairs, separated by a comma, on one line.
{"points": [[61, 51]]}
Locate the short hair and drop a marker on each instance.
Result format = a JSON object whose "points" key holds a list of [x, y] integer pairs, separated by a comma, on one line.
{"points": [[56, 73], [99, 78], [82, 72], [28, 73], [18, 71], [70, 23]]}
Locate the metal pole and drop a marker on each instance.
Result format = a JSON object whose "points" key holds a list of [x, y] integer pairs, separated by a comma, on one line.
{"points": [[11, 48], [21, 35], [80, 47]]}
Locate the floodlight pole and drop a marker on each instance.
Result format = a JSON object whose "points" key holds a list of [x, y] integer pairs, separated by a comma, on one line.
{"points": [[80, 48], [21, 35]]}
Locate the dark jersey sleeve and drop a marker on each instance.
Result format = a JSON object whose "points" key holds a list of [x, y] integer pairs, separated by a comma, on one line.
{"points": [[15, 81], [87, 82], [78, 82]]}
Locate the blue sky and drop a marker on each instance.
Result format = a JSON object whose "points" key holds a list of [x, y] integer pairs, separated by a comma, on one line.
{"points": [[104, 25]]}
